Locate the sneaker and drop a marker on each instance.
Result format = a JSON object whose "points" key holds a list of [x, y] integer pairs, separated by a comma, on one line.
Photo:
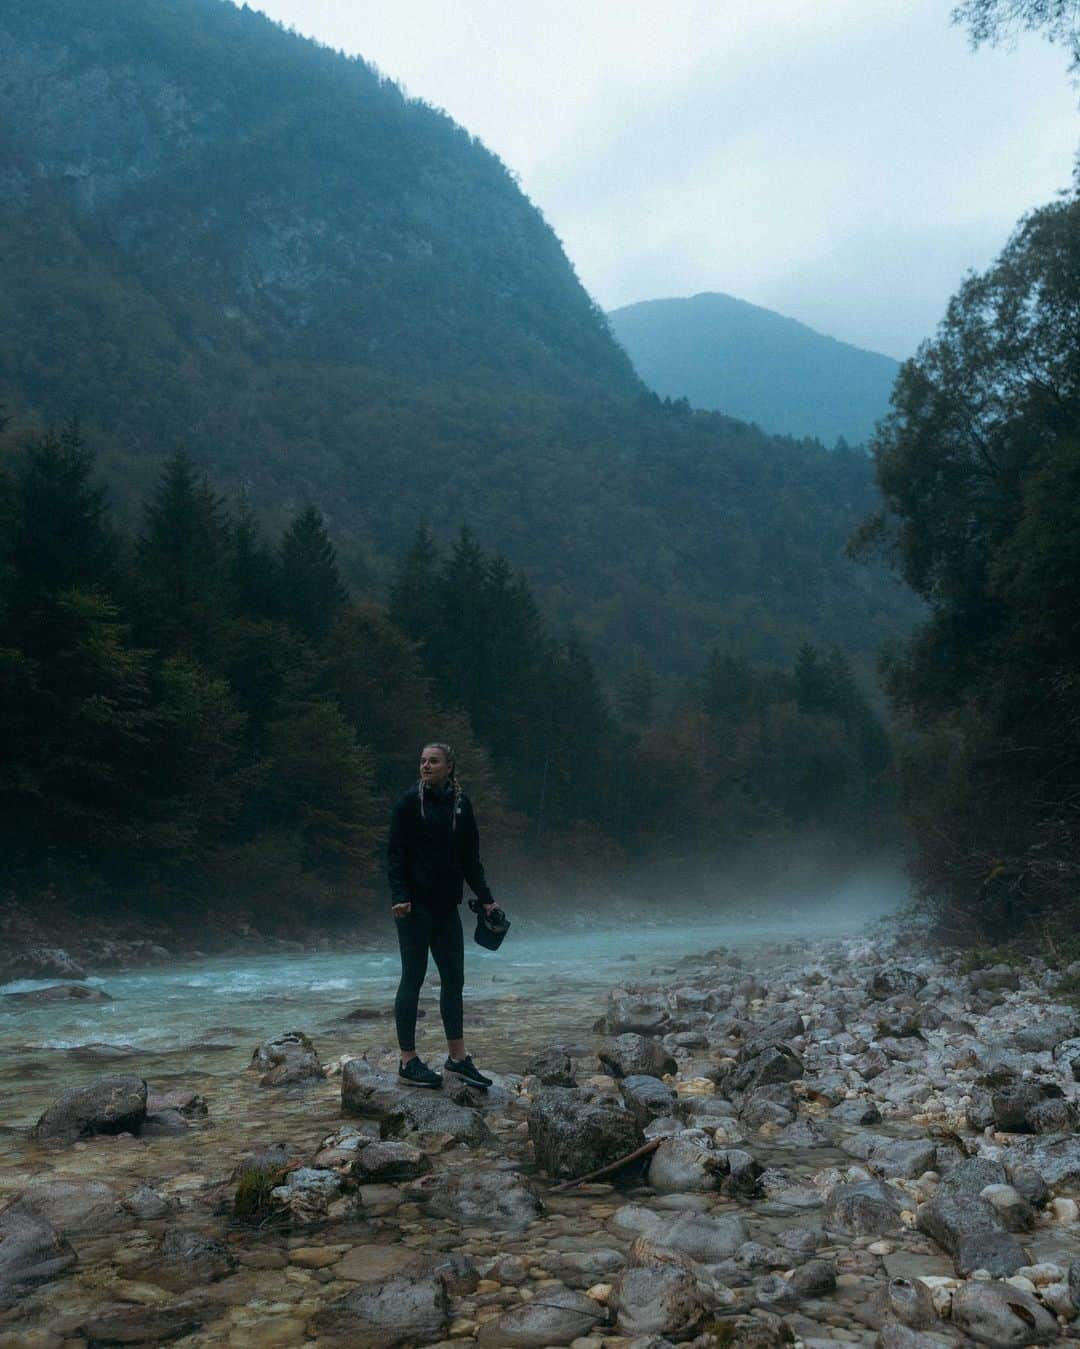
{"points": [[418, 1074], [467, 1071]]}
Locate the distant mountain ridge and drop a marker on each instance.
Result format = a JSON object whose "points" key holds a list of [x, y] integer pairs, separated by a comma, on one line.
{"points": [[222, 237], [748, 362]]}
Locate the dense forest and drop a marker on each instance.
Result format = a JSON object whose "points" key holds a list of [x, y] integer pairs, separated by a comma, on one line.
{"points": [[223, 238], [734, 357], [207, 726]]}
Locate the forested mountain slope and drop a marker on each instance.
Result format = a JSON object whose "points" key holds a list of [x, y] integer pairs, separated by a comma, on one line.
{"points": [[734, 357], [219, 236]]}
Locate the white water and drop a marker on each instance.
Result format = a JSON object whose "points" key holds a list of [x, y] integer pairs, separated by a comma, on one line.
{"points": [[238, 1000]]}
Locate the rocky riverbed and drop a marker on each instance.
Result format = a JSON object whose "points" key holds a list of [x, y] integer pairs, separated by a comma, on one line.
{"points": [[839, 1141]]}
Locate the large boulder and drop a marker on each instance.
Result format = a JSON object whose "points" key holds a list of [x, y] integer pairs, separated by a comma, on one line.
{"points": [[778, 1030], [971, 1230], [1055, 1156], [385, 1314], [573, 1135], [642, 1015], [558, 1316], [690, 1162], [366, 1091], [31, 1253], [865, 1208], [553, 1068], [890, 981], [60, 993], [773, 1064], [190, 1259], [111, 1105], [632, 1055], [659, 1299], [493, 1199], [971, 1176], [1000, 1315], [75, 1205], [702, 1236], [388, 1161], [433, 1113], [647, 1098], [287, 1059]]}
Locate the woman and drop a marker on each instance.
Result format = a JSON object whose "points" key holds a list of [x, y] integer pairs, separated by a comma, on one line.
{"points": [[434, 848]]}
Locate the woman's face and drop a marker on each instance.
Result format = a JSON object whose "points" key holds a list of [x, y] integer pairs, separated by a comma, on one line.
{"points": [[434, 766]]}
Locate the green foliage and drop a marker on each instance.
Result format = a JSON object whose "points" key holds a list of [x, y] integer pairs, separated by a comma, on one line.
{"points": [[251, 1200], [996, 21], [978, 466]]}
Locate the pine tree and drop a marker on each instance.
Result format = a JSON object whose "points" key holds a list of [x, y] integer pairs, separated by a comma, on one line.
{"points": [[311, 593]]}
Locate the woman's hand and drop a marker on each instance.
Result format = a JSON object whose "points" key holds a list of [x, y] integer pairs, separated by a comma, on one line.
{"points": [[401, 910]]}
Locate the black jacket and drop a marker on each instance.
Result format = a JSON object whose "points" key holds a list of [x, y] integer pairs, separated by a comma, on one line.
{"points": [[430, 856]]}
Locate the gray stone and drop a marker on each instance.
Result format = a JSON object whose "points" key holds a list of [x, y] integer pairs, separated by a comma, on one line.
{"points": [[1046, 1033], [60, 993], [189, 1259], [686, 1162], [433, 1113], [146, 1204], [776, 1063], [1000, 1315], [141, 1325], [72, 1205], [866, 1208], [702, 1237], [384, 1315], [971, 1176], [43, 962], [32, 1252], [647, 1098], [494, 1199], [286, 1060], [389, 1161], [1030, 1185], [893, 980], [777, 1030], [895, 1335], [641, 1015], [1055, 1156], [555, 1316], [632, 1055], [573, 1135], [658, 1299], [1015, 1107], [857, 1111], [948, 1217], [999, 1253], [111, 1105], [306, 1195], [581, 1269], [773, 1103], [367, 1092], [817, 1278], [910, 1302], [164, 1124], [904, 1158], [1011, 1207], [553, 1068], [458, 1273]]}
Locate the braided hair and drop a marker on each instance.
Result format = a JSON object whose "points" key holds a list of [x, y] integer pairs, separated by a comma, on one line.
{"points": [[446, 749]]}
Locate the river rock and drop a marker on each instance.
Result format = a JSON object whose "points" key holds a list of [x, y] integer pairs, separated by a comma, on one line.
{"points": [[632, 1055], [658, 1299], [74, 1205], [164, 1124], [949, 1217], [121, 1324], [189, 1259], [556, 1316], [1011, 1207], [690, 1162], [553, 1068], [1046, 1033], [774, 1103], [287, 1059], [702, 1237], [890, 981], [776, 1063], [573, 1135], [640, 1015], [494, 1199], [433, 1113], [398, 1311], [1030, 1185], [308, 1195], [999, 1253], [366, 1091], [61, 993], [647, 1098], [909, 1300], [146, 1204], [32, 1252], [1000, 1315], [971, 1176], [111, 1105], [815, 1279], [904, 1158], [856, 1111], [865, 1208], [1056, 1157], [388, 1161]]}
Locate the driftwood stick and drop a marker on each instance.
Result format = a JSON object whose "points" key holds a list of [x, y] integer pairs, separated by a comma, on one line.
{"points": [[643, 1151]]}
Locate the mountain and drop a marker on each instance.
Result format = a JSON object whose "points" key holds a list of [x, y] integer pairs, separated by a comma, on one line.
{"points": [[222, 237], [734, 357]]}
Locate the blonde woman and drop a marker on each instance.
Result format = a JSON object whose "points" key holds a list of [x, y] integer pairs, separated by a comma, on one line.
{"points": [[434, 849]]}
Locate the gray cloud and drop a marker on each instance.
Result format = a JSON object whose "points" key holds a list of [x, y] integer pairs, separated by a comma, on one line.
{"points": [[843, 162]]}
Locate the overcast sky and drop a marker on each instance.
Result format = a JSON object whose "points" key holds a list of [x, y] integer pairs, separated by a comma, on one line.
{"points": [[843, 162]]}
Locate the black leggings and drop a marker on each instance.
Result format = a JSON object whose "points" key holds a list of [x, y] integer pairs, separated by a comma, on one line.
{"points": [[437, 931]]}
